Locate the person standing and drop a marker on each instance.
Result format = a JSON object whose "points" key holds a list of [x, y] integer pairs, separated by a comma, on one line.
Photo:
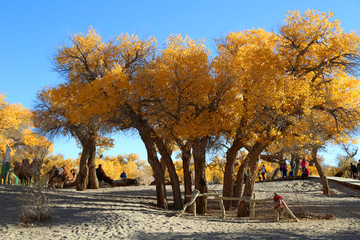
{"points": [[259, 173], [353, 170], [263, 171], [358, 168], [278, 206], [285, 168], [305, 173], [281, 170], [303, 165], [292, 165]]}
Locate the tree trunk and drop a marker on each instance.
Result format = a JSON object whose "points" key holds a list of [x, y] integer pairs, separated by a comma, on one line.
{"points": [[87, 174], [82, 179], [175, 184], [275, 173], [228, 185], [186, 157], [199, 152], [325, 183], [243, 209], [296, 158], [93, 181], [240, 181], [156, 167]]}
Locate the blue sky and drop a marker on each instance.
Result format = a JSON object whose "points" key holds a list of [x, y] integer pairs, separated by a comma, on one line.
{"points": [[32, 31]]}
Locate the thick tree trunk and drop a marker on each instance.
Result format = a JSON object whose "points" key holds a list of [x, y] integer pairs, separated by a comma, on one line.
{"points": [[82, 179], [325, 183], [175, 184], [243, 209], [87, 174], [93, 181], [199, 152], [228, 185], [240, 181]]}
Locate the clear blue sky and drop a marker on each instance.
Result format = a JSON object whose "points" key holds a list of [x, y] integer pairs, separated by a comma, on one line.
{"points": [[32, 31]]}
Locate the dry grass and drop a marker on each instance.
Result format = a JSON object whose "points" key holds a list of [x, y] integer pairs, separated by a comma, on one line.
{"points": [[35, 207]]}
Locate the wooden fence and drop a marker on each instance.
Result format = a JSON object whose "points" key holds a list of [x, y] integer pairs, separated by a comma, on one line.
{"points": [[221, 199]]}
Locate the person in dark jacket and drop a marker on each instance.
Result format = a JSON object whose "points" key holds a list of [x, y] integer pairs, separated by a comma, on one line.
{"points": [[123, 175], [353, 170]]}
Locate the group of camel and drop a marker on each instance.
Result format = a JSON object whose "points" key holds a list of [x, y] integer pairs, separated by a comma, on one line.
{"points": [[61, 176], [26, 171]]}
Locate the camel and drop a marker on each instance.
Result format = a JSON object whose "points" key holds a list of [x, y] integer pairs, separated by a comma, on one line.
{"points": [[20, 174], [60, 175], [25, 171], [101, 175], [127, 182]]}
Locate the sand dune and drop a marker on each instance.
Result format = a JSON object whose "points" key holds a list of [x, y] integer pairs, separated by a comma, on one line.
{"points": [[130, 213]]}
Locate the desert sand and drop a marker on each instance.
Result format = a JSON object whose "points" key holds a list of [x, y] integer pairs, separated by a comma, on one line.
{"points": [[130, 213]]}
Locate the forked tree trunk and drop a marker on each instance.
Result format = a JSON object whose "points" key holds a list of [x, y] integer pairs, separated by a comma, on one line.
{"points": [[156, 167], [175, 184], [87, 175], [325, 183], [243, 209], [199, 151], [228, 185], [240, 181]]}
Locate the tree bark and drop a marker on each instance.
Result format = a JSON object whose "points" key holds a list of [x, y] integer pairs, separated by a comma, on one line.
{"points": [[186, 158], [82, 179], [87, 174], [240, 181], [228, 185], [156, 167], [93, 181], [296, 158], [275, 173], [175, 184], [199, 152], [243, 209], [325, 183]]}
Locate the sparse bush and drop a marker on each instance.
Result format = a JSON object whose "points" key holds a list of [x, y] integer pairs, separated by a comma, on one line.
{"points": [[35, 206]]}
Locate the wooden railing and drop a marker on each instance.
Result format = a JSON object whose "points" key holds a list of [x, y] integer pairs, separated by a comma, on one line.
{"points": [[220, 198]]}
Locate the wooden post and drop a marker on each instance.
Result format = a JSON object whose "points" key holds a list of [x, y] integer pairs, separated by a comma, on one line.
{"points": [[194, 208], [290, 212], [221, 203], [192, 201], [252, 207]]}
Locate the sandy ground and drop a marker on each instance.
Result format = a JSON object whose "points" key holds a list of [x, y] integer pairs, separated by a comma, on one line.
{"points": [[130, 213]]}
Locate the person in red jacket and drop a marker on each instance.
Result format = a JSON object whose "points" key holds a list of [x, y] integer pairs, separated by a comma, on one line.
{"points": [[278, 206]]}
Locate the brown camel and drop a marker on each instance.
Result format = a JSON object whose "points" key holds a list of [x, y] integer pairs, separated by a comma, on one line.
{"points": [[25, 171], [61, 175], [20, 174], [101, 175]]}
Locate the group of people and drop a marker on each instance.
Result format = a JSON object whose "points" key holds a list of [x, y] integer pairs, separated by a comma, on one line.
{"points": [[284, 170], [355, 170]]}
